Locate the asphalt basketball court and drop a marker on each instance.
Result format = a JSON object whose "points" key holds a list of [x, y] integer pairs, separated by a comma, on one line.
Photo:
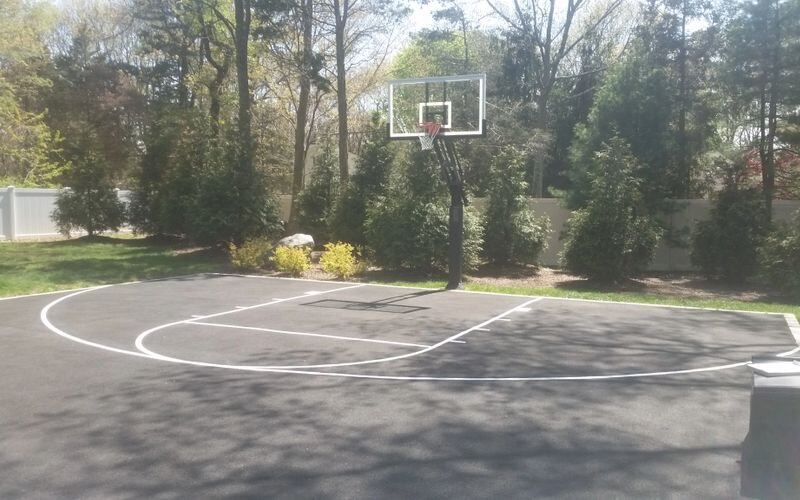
{"points": [[227, 386]]}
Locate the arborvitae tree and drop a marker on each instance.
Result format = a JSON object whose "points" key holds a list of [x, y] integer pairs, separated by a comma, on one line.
{"points": [[726, 245], [368, 183], [614, 235], [90, 203], [512, 232], [408, 228], [317, 202], [635, 103]]}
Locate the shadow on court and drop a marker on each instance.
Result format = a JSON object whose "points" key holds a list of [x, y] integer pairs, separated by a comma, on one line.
{"points": [[80, 422], [188, 433]]}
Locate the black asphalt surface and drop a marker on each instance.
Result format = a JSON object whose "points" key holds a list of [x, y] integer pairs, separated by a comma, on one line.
{"points": [[82, 421]]}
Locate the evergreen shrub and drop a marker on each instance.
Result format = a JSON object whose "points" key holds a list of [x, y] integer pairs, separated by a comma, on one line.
{"points": [[367, 184], [726, 245], [317, 202], [404, 233], [614, 236], [91, 203], [779, 258], [512, 232]]}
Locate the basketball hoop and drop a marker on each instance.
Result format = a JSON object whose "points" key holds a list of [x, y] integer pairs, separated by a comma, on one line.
{"points": [[431, 131]]}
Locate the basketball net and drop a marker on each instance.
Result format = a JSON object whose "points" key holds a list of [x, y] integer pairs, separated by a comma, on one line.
{"points": [[431, 131]]}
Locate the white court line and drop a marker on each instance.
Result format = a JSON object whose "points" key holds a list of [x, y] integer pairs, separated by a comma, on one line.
{"points": [[56, 330], [46, 321], [141, 347], [425, 378], [794, 326], [286, 332]]}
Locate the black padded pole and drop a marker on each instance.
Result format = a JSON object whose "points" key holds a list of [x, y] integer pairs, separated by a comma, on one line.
{"points": [[445, 153]]}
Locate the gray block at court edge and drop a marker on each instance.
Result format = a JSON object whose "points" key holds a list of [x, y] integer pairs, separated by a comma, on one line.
{"points": [[770, 467]]}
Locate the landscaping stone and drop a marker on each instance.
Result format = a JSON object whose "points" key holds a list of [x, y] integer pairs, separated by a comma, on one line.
{"points": [[297, 240]]}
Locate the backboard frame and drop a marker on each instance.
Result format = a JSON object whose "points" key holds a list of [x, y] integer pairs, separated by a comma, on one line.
{"points": [[446, 130]]}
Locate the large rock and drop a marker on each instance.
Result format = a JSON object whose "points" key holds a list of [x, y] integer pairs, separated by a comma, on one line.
{"points": [[297, 240]]}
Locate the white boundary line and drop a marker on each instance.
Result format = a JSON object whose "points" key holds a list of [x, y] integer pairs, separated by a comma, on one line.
{"points": [[666, 306], [44, 293], [67, 290], [49, 325], [307, 334], [258, 276], [794, 328], [477, 292]]}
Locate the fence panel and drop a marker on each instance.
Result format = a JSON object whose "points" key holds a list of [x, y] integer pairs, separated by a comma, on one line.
{"points": [[33, 209], [34, 206], [5, 213], [25, 212]]}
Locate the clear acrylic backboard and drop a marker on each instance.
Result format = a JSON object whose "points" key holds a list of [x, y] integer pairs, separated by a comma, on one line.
{"points": [[458, 103]]}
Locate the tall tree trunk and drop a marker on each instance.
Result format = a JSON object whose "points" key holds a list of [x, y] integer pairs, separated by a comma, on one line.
{"points": [[243, 176], [683, 184], [214, 106], [768, 112], [215, 86], [543, 122], [341, 11], [302, 112], [183, 76]]}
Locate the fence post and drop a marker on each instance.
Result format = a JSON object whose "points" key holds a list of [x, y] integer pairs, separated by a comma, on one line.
{"points": [[11, 234]]}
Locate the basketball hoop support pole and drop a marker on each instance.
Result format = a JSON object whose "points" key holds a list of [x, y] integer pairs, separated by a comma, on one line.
{"points": [[446, 154]]}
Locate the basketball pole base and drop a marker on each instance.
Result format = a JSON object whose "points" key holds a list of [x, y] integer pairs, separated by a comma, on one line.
{"points": [[456, 237], [448, 160]]}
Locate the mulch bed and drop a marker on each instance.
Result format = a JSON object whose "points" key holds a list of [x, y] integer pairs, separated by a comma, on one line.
{"points": [[690, 285]]}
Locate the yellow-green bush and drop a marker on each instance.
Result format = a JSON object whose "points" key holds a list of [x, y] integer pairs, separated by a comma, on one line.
{"points": [[339, 260], [252, 255], [292, 260]]}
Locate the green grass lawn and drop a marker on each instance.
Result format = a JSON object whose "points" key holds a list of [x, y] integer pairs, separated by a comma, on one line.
{"points": [[58, 265], [640, 298]]}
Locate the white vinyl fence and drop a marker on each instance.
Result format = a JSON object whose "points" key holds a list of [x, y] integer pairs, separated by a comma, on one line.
{"points": [[25, 214], [669, 256]]}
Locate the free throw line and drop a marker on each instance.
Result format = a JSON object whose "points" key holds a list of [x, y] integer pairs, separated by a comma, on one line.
{"points": [[307, 334]]}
